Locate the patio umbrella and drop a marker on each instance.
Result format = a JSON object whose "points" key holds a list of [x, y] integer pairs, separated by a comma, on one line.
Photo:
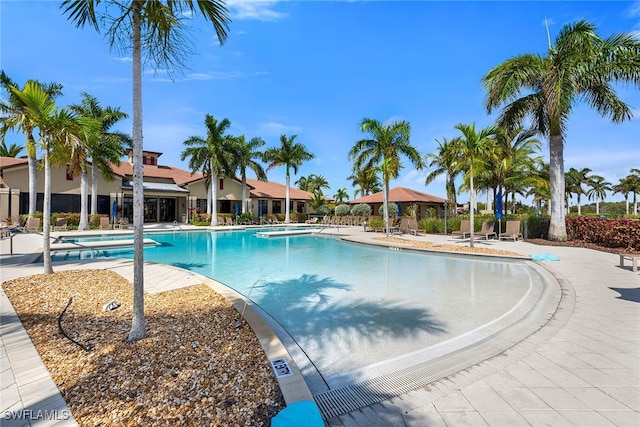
{"points": [[259, 209], [114, 211], [235, 208], [499, 210], [400, 208]]}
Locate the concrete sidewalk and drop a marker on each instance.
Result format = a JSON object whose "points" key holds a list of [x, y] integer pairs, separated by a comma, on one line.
{"points": [[582, 368]]}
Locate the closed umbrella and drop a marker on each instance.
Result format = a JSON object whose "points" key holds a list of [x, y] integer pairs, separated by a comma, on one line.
{"points": [[235, 208], [400, 208], [499, 210], [259, 209], [114, 211]]}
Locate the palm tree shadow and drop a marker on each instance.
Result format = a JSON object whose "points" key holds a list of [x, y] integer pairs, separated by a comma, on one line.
{"points": [[632, 295], [312, 308]]}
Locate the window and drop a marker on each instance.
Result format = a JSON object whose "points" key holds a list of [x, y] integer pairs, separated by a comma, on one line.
{"points": [[276, 206]]}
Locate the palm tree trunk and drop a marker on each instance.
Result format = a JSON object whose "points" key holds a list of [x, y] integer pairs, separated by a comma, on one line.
{"points": [[244, 193], [385, 200], [33, 176], [214, 199], [84, 222], [46, 215], [94, 189], [472, 202], [209, 189], [138, 327], [287, 197], [579, 207], [557, 226]]}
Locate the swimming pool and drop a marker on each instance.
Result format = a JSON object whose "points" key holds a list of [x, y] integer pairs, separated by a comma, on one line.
{"points": [[355, 310]]}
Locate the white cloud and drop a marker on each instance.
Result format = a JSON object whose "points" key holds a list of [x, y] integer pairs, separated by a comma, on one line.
{"points": [[122, 58], [634, 9], [260, 10]]}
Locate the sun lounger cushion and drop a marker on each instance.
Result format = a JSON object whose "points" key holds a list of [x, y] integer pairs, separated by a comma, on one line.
{"points": [[544, 257]]}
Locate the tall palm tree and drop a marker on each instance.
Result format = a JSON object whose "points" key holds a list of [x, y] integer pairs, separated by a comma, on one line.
{"points": [[366, 181], [573, 185], [383, 150], [579, 66], [634, 184], [539, 184], [598, 190], [244, 157], [341, 195], [10, 151], [624, 187], [291, 155], [112, 143], [445, 161], [161, 28], [472, 147], [59, 131], [14, 117], [103, 152], [214, 150]]}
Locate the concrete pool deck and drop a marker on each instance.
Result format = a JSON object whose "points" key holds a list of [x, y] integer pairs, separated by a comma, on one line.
{"points": [[581, 368]]}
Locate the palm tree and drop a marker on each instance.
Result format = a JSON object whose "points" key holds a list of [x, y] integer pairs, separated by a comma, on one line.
{"points": [[244, 156], [103, 152], [445, 161], [304, 183], [573, 184], [341, 195], [212, 154], [159, 27], [383, 150], [539, 184], [634, 184], [472, 147], [14, 117], [10, 151], [59, 131], [291, 155], [367, 181], [598, 190], [624, 187], [580, 66]]}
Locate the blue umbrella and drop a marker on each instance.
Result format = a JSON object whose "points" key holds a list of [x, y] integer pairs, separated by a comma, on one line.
{"points": [[499, 210], [114, 209], [235, 208], [400, 208], [259, 209], [499, 205]]}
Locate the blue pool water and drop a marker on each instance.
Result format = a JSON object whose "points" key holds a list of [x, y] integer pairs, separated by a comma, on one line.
{"points": [[349, 305]]}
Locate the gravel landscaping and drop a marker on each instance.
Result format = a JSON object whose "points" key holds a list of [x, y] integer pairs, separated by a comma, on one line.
{"points": [[197, 367]]}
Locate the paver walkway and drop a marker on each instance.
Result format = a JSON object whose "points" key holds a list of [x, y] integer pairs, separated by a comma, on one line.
{"points": [[582, 369]]}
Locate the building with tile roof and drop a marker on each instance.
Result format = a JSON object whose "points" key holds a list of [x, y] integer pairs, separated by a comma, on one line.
{"points": [[405, 197], [170, 193]]}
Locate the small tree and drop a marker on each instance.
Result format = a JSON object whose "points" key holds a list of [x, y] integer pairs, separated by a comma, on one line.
{"points": [[361, 209], [392, 209], [342, 210]]}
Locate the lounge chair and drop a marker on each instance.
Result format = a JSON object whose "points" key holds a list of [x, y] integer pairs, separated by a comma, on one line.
{"points": [[60, 225], [486, 231], [413, 227], [105, 223], [465, 228], [123, 223], [512, 231], [33, 224], [227, 220]]}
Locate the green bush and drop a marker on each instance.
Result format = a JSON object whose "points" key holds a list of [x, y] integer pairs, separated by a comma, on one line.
{"points": [[361, 209], [342, 210], [376, 223], [323, 210], [391, 207]]}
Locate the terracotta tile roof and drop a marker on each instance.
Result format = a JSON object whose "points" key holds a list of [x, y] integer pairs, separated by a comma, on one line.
{"points": [[12, 161], [179, 176], [273, 190], [400, 194]]}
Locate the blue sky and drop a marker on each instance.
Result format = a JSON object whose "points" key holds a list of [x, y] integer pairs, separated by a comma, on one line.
{"points": [[315, 69]]}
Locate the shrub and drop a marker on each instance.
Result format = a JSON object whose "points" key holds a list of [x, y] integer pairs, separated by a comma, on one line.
{"points": [[376, 223], [612, 233], [391, 207], [323, 210], [342, 210], [361, 209]]}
